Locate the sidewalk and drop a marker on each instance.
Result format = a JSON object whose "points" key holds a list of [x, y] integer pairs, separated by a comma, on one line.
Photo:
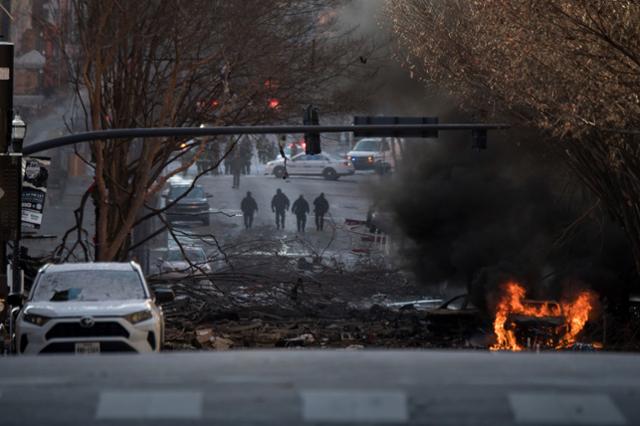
{"points": [[58, 215]]}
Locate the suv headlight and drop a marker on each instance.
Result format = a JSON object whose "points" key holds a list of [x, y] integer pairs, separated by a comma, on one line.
{"points": [[35, 319], [139, 316]]}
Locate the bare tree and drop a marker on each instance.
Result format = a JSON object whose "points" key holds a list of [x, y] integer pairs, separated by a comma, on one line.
{"points": [[183, 63], [570, 68]]}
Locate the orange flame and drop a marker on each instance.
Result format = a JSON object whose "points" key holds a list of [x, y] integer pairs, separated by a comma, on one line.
{"points": [[574, 315]]}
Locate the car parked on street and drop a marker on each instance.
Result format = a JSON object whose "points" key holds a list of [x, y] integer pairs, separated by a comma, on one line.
{"points": [[188, 261], [90, 308], [193, 206], [374, 154], [324, 165]]}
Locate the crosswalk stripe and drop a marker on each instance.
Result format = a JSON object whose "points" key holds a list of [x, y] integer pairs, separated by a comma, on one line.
{"points": [[170, 404], [355, 406], [565, 408]]}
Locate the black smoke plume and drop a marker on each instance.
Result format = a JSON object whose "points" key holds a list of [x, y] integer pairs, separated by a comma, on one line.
{"points": [[477, 219]]}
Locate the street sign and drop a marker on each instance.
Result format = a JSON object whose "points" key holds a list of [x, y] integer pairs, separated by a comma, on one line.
{"points": [[34, 190], [10, 202], [364, 120]]}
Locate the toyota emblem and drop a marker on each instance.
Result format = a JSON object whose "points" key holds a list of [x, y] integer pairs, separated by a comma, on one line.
{"points": [[87, 322]]}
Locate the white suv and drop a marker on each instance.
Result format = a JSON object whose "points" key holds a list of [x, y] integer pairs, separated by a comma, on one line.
{"points": [[90, 308]]}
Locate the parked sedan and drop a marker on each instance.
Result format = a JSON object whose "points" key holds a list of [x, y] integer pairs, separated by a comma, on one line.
{"points": [[311, 165], [90, 308], [192, 203], [192, 261]]}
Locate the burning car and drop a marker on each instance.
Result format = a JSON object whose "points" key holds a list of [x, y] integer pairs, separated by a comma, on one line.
{"points": [[522, 323], [541, 325]]}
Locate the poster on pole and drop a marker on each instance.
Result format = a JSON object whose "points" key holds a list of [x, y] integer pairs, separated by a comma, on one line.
{"points": [[34, 190]]}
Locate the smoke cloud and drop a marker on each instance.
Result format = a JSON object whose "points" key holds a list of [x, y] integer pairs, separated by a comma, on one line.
{"points": [[477, 219], [474, 220]]}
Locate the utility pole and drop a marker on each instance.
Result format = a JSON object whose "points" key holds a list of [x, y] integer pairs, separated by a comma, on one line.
{"points": [[6, 113]]}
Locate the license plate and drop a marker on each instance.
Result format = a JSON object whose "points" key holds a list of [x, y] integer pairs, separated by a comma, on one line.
{"points": [[88, 348]]}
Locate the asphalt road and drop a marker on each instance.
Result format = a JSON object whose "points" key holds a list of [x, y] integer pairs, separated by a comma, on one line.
{"points": [[322, 387], [349, 197]]}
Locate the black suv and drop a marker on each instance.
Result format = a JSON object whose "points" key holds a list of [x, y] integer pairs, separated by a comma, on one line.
{"points": [[193, 206]]}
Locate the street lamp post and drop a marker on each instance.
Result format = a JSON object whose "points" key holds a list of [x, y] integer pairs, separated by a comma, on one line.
{"points": [[6, 111], [18, 132]]}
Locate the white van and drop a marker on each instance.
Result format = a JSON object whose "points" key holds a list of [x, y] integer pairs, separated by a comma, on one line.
{"points": [[379, 154]]}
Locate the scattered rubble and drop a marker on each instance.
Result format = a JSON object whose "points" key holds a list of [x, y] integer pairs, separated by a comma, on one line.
{"points": [[314, 315], [283, 302]]}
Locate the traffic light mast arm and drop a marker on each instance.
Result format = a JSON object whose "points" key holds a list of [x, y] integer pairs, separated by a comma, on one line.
{"points": [[244, 130]]}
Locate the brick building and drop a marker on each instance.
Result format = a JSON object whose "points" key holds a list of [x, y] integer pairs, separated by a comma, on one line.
{"points": [[39, 66]]}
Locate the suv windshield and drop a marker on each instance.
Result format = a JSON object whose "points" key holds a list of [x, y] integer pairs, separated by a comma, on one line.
{"points": [[85, 286], [194, 255], [177, 191], [367, 145]]}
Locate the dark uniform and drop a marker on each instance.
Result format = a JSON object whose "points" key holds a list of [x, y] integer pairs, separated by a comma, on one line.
{"points": [[246, 153], [320, 208], [249, 207], [300, 208], [236, 168], [279, 204]]}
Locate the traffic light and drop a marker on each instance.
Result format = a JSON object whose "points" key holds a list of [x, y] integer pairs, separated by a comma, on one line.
{"points": [[479, 139], [387, 121], [311, 140], [274, 103]]}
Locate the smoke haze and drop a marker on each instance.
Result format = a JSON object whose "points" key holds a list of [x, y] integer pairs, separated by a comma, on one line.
{"points": [[476, 219]]}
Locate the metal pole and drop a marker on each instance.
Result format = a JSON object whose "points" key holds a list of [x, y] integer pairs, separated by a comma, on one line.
{"points": [[101, 135], [6, 95], [6, 116]]}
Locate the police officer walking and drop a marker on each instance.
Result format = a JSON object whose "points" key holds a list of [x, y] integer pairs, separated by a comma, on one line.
{"points": [[300, 208], [236, 168], [279, 204], [320, 208], [249, 207]]}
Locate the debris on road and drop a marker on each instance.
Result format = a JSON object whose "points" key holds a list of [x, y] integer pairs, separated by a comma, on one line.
{"points": [[329, 309]]}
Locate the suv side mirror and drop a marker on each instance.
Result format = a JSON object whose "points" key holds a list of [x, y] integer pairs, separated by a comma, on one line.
{"points": [[16, 299], [209, 195], [164, 295]]}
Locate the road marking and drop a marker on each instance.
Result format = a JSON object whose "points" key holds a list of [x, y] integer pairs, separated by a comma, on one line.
{"points": [[149, 405], [253, 380], [31, 381], [565, 408], [340, 406]]}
